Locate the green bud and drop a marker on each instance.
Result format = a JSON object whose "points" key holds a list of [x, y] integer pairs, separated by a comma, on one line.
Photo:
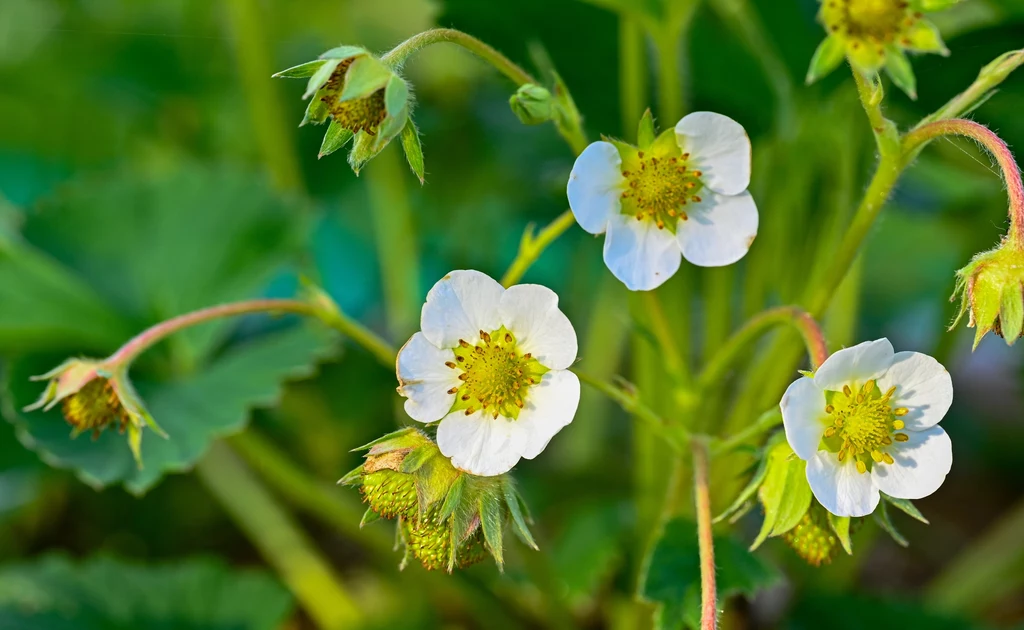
{"points": [[532, 104], [991, 292], [446, 518]]}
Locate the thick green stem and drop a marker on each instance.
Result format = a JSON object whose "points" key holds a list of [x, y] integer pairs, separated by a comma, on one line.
{"points": [[279, 539], [395, 236], [705, 537], [399, 54], [252, 54], [531, 246], [735, 347], [994, 145]]}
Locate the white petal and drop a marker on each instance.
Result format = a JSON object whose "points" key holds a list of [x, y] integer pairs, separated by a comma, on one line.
{"points": [[922, 385], [839, 487], [920, 465], [719, 230], [459, 306], [719, 147], [550, 405], [855, 365], [595, 184], [639, 254], [424, 379], [803, 410], [480, 444], [531, 312]]}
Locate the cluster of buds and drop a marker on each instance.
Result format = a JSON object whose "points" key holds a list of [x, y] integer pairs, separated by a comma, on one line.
{"points": [[447, 518], [94, 395], [366, 100]]}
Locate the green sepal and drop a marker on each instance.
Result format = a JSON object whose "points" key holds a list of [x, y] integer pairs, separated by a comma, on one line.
{"points": [[882, 518], [898, 67], [930, 6], [316, 111], [366, 147], [402, 438], [300, 71], [841, 526], [434, 476], [417, 458], [491, 518], [827, 57], [396, 96], [624, 148], [353, 478], [1011, 313], [413, 150], [906, 506], [665, 143], [320, 77], [518, 522], [342, 53], [335, 138], [784, 494], [454, 498], [925, 37], [368, 517], [365, 76], [645, 130]]}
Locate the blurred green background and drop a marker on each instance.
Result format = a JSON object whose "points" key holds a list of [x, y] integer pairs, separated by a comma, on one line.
{"points": [[149, 165]]}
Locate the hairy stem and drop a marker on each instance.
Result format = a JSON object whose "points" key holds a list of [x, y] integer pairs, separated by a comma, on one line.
{"points": [[531, 246], [810, 331], [705, 538], [273, 531], [994, 145], [765, 422], [398, 55], [988, 80]]}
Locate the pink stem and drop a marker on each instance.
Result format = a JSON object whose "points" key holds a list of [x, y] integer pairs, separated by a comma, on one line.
{"points": [[147, 338], [705, 538], [995, 145]]}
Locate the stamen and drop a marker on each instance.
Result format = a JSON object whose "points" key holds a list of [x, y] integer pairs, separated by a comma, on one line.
{"points": [[902, 411], [861, 467], [847, 390], [897, 425], [902, 437], [453, 390], [450, 364], [887, 458]]}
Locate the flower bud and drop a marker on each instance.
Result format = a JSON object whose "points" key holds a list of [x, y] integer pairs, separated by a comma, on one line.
{"points": [[991, 291], [95, 395], [532, 104], [447, 518]]}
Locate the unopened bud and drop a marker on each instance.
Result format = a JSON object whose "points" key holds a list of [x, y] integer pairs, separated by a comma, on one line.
{"points": [[532, 104], [991, 292]]}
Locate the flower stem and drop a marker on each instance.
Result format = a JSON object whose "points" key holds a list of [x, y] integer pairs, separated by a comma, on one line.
{"points": [[675, 360], [988, 80], [337, 320], [531, 247], [996, 146], [810, 331], [767, 420], [273, 531], [676, 436], [632, 74], [398, 55], [705, 538]]}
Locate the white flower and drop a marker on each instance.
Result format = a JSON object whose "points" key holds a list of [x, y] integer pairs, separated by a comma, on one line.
{"points": [[491, 364], [683, 195], [867, 422]]}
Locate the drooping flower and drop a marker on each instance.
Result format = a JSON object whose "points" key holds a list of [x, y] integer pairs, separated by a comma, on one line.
{"points": [[991, 291], [367, 101], [682, 194], [490, 364], [874, 34], [95, 395], [866, 422]]}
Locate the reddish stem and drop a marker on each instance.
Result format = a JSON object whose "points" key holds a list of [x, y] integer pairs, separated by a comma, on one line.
{"points": [[994, 145], [705, 538]]}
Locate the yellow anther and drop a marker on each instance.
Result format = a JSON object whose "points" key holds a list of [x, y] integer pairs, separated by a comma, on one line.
{"points": [[508, 338], [469, 411], [842, 454], [868, 387], [829, 408], [902, 437], [901, 411], [453, 390], [450, 364], [887, 458], [897, 425], [463, 343], [890, 392], [861, 467], [486, 337], [876, 455], [829, 432], [847, 390], [887, 440]]}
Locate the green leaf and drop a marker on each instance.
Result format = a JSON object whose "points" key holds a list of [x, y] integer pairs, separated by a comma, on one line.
{"points": [[54, 593], [672, 579], [645, 130], [898, 67], [194, 410], [335, 138], [300, 71], [413, 149], [344, 52], [785, 493], [906, 506], [882, 518], [841, 526], [817, 609], [827, 57], [742, 503]]}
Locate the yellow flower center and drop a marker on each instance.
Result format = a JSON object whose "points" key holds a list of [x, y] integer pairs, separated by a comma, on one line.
{"points": [[864, 424], [877, 21], [495, 375], [658, 188], [360, 114], [93, 407]]}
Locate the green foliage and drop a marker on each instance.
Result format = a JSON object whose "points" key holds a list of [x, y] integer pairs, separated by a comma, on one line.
{"points": [[54, 593], [672, 578], [852, 612], [785, 495]]}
